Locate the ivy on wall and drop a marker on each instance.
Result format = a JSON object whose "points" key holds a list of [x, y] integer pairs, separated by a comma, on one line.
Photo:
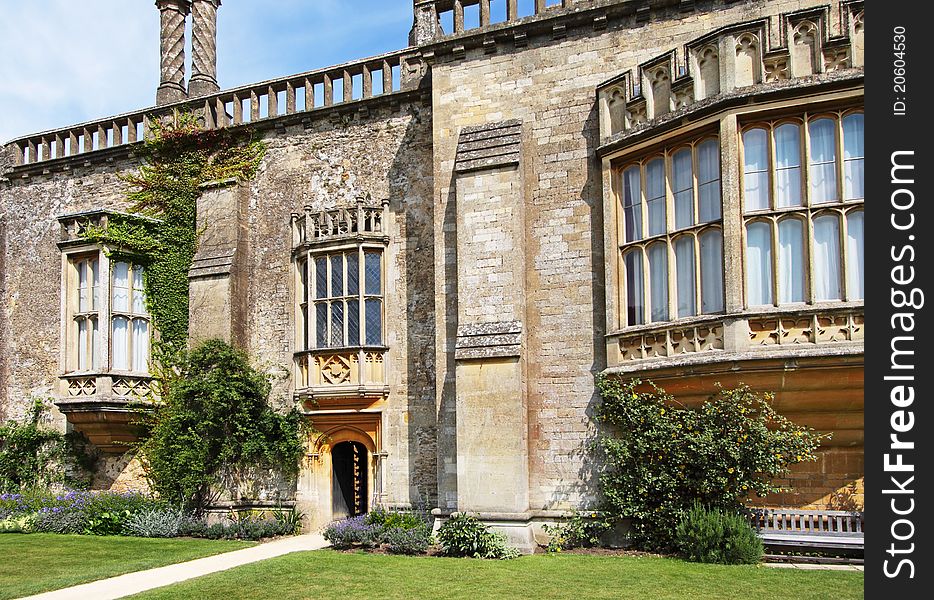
{"points": [[178, 158]]}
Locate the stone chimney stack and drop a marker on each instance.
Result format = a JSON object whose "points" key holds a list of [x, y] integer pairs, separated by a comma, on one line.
{"points": [[203, 47], [173, 15]]}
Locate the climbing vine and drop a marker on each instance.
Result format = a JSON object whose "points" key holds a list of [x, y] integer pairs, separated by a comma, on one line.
{"points": [[178, 158]]}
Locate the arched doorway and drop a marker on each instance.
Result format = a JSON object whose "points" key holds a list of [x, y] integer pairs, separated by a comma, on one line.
{"points": [[349, 479]]}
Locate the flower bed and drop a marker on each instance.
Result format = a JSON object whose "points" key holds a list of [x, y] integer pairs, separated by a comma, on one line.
{"points": [[131, 514]]}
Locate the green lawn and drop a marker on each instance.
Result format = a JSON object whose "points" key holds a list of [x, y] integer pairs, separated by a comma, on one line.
{"points": [[41, 562], [325, 574]]}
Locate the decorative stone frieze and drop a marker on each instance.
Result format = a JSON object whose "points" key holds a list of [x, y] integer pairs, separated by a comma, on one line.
{"points": [[488, 340], [488, 146]]}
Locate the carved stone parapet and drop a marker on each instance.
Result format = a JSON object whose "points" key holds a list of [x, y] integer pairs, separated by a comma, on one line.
{"points": [[671, 339]]}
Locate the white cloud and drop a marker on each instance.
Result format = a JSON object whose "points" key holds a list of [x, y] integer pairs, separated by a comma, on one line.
{"points": [[70, 61]]}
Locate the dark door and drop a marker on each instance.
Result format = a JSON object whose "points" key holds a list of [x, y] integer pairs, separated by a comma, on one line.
{"points": [[349, 476]]}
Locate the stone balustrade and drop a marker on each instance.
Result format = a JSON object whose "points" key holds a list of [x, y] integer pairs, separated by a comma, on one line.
{"points": [[363, 218], [357, 81]]}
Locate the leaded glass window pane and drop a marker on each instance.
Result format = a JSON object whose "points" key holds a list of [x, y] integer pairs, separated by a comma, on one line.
{"points": [[635, 293], [120, 343], [337, 323], [321, 277], [374, 322], [353, 322], [321, 324], [658, 275], [373, 269], [353, 273], [337, 275]]}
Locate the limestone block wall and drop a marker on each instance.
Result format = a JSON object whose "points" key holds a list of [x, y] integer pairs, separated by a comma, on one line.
{"points": [[548, 81]]}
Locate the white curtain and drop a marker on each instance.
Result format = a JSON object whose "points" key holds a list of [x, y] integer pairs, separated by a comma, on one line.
{"points": [[635, 292], [658, 274], [121, 284], [119, 340], [632, 203], [82, 344], [756, 169], [759, 264], [95, 283], [95, 344], [655, 195], [788, 165], [853, 152], [683, 183], [140, 345], [139, 295], [790, 261], [684, 265], [827, 258], [83, 304], [823, 170], [711, 258], [855, 279], [708, 178]]}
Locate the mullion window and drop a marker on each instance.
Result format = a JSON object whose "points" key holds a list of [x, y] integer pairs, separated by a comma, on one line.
{"points": [[672, 276], [348, 299], [813, 255]]}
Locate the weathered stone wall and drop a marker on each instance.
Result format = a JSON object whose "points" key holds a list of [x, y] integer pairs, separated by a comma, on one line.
{"points": [[386, 155], [32, 294], [549, 84]]}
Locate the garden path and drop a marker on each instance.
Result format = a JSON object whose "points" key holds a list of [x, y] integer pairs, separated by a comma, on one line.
{"points": [[134, 583]]}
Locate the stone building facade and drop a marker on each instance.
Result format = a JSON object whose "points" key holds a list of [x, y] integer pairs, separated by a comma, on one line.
{"points": [[444, 245]]}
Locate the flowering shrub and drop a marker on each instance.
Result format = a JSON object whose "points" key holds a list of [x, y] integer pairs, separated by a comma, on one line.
{"points": [[398, 532], [661, 458], [156, 523], [463, 535], [86, 513], [415, 540], [353, 532]]}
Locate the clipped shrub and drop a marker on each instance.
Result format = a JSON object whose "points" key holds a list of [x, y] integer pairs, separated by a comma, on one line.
{"points": [[390, 519], [412, 540], [714, 536], [464, 535], [156, 523]]}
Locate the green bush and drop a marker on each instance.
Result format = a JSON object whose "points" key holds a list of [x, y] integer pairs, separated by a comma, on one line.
{"points": [[661, 457], [214, 416], [411, 540], [464, 536], [712, 536], [33, 455]]}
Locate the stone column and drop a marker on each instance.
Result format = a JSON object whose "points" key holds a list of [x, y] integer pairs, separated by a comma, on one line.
{"points": [[203, 48], [172, 45]]}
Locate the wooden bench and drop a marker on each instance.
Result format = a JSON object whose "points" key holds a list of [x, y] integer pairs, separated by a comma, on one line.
{"points": [[828, 530]]}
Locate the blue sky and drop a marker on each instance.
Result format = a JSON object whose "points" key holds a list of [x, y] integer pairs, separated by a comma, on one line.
{"points": [[68, 61]]}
